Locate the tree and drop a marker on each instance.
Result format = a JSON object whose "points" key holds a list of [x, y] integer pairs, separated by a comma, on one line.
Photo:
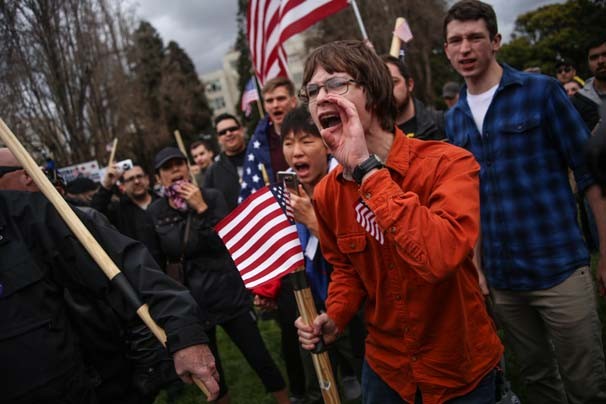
{"points": [[553, 32], [425, 20], [245, 70], [182, 95], [59, 74]]}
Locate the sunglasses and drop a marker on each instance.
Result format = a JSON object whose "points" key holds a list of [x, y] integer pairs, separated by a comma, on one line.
{"points": [[8, 169], [230, 129], [566, 69]]}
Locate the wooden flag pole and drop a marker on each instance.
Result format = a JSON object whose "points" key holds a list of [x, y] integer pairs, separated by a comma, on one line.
{"points": [[396, 42], [182, 148], [83, 234], [112, 155], [307, 309]]}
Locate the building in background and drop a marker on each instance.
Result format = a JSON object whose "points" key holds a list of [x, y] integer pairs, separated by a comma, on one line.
{"points": [[221, 85]]}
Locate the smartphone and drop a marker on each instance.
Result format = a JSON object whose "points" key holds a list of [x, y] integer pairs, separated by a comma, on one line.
{"points": [[290, 181]]}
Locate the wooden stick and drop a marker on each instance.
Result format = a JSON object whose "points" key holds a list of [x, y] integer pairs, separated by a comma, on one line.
{"points": [[80, 231], [264, 174], [396, 42], [182, 148], [326, 379], [112, 155]]}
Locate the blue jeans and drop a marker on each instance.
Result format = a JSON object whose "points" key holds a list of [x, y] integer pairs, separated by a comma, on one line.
{"points": [[376, 391]]}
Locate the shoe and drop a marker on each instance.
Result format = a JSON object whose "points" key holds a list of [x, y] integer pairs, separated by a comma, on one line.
{"points": [[351, 388]]}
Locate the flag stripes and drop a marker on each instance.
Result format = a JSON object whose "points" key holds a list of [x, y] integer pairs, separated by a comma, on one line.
{"points": [[271, 22], [366, 218], [262, 241]]}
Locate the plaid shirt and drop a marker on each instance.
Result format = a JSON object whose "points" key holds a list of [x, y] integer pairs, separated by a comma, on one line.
{"points": [[532, 134]]}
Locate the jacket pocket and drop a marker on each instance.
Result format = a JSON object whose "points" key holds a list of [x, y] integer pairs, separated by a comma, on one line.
{"points": [[526, 126], [352, 243], [18, 275]]}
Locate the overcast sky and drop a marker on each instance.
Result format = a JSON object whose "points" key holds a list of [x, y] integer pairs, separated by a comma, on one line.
{"points": [[207, 28]]}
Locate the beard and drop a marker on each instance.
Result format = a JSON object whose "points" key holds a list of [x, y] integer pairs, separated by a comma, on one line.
{"points": [[600, 73], [403, 105]]}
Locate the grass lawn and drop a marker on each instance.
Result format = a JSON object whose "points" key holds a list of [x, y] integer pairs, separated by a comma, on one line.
{"points": [[244, 385], [246, 388]]}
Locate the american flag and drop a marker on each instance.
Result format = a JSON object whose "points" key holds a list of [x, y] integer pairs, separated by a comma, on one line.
{"points": [[366, 218], [249, 95], [271, 22], [262, 240]]}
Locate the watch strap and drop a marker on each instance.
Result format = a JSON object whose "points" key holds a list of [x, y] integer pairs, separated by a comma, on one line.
{"points": [[365, 167]]}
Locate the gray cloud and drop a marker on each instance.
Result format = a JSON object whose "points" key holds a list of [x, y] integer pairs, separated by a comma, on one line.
{"points": [[207, 29]]}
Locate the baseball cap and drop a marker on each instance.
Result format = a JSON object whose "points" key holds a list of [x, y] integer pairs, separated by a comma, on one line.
{"points": [[81, 185], [166, 154]]}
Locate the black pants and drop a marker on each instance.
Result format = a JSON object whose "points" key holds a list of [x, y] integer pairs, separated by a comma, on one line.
{"points": [[73, 387], [244, 332]]}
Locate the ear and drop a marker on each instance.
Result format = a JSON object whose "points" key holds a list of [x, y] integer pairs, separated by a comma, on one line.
{"points": [[496, 42], [28, 182], [411, 85]]}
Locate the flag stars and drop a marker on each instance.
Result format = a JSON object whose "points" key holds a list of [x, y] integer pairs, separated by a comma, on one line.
{"points": [[256, 178], [251, 157], [256, 144]]}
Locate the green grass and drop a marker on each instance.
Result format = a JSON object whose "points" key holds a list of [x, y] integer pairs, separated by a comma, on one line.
{"points": [[245, 387]]}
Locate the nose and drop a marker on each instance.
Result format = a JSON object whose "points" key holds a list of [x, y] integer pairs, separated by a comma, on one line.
{"points": [[322, 93], [297, 150], [465, 45]]}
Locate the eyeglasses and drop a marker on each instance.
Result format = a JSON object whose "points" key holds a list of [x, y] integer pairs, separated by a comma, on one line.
{"points": [[137, 177], [334, 85], [8, 169], [230, 129], [566, 69]]}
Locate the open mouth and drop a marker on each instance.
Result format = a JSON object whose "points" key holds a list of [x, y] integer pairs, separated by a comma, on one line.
{"points": [[329, 120], [467, 62], [301, 167]]}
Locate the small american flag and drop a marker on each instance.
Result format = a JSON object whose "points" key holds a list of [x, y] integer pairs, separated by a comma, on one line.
{"points": [[366, 218], [249, 95], [262, 240]]}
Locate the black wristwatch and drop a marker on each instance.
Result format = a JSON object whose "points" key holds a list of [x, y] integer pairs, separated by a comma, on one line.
{"points": [[362, 169]]}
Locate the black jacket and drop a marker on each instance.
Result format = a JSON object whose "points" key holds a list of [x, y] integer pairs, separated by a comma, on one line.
{"points": [[128, 218], [40, 258], [210, 273], [588, 109], [223, 175], [430, 122]]}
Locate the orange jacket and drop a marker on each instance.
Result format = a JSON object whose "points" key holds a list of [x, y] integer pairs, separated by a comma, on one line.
{"points": [[428, 327]]}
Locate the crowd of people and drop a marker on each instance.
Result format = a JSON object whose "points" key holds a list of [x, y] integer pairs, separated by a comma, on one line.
{"points": [[424, 233]]}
